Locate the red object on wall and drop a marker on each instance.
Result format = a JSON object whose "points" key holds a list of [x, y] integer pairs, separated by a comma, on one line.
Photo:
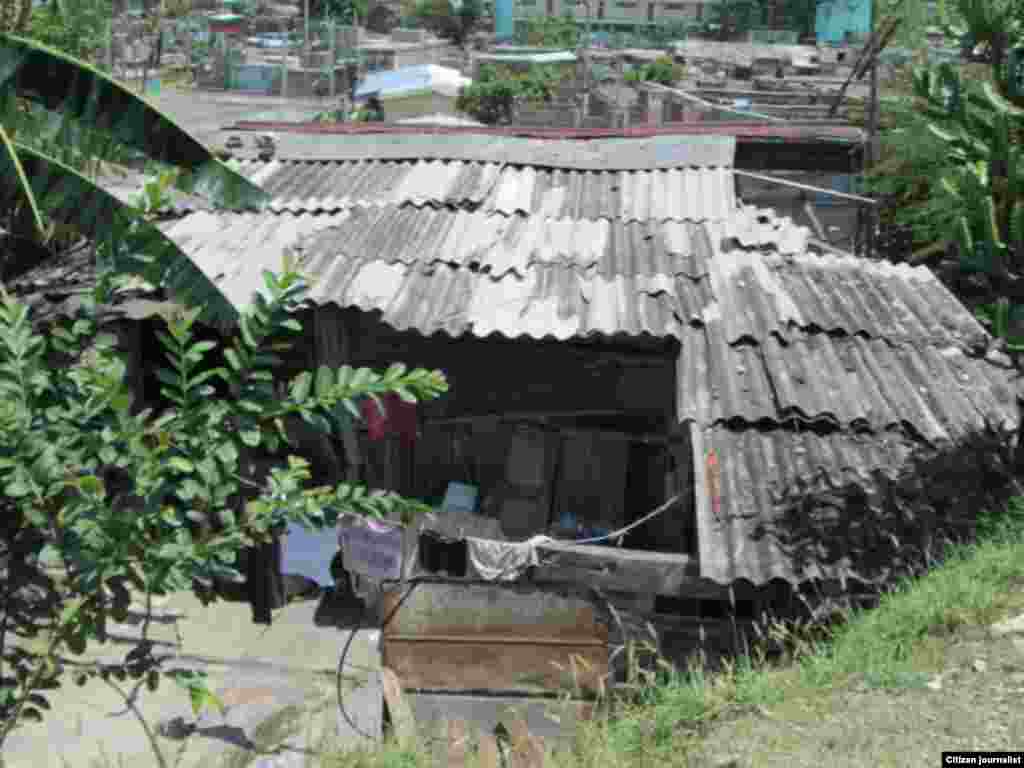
{"points": [[399, 418]]}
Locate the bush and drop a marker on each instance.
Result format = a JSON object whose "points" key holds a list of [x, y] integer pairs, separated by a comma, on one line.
{"points": [[492, 97], [662, 70], [122, 499]]}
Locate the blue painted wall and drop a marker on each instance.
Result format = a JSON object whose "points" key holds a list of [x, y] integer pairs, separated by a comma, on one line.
{"points": [[255, 77], [836, 18], [503, 26]]}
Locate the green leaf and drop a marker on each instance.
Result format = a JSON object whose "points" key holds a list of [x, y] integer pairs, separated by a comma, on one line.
{"points": [[325, 381], [69, 197], [181, 464], [250, 437], [228, 453], [301, 386], [63, 84], [20, 189]]}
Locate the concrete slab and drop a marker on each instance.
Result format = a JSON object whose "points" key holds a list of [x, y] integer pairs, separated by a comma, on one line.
{"points": [[278, 684]]}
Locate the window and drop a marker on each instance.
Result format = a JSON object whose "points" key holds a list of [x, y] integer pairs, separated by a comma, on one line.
{"points": [[650, 11], [625, 4], [600, 11], [673, 6], [551, 7], [700, 11]]}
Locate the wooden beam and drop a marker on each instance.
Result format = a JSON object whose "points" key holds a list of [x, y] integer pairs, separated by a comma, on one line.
{"points": [[815, 222], [807, 187], [458, 736], [403, 724], [487, 751]]}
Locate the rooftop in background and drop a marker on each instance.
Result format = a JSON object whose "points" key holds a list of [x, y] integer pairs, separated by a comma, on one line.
{"points": [[815, 131], [410, 81], [441, 120]]}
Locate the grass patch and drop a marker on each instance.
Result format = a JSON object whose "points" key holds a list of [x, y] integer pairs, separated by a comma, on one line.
{"points": [[890, 648]]}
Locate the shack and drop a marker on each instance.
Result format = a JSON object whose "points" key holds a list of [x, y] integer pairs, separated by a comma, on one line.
{"points": [[619, 329]]}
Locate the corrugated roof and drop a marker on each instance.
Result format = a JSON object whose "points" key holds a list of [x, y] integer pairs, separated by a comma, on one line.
{"points": [[810, 372], [759, 469], [777, 343], [744, 131], [298, 141], [678, 194], [937, 393], [406, 81]]}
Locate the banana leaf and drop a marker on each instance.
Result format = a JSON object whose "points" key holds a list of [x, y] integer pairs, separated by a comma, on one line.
{"points": [[139, 247], [13, 173], [58, 82]]}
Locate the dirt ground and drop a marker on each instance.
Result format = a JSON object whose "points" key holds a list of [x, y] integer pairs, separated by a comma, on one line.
{"points": [[976, 702]]}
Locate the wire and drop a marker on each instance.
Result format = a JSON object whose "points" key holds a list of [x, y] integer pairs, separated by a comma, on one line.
{"points": [[413, 583]]}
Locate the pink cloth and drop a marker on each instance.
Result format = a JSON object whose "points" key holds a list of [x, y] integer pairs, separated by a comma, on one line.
{"points": [[399, 418]]}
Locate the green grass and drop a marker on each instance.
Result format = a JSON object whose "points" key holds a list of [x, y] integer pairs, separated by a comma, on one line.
{"points": [[889, 647], [894, 647]]}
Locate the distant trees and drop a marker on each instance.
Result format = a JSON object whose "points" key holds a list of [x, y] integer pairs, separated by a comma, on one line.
{"points": [[492, 97], [451, 20], [662, 70], [553, 32]]}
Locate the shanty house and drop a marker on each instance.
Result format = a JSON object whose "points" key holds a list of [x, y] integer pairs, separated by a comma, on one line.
{"points": [[618, 329]]}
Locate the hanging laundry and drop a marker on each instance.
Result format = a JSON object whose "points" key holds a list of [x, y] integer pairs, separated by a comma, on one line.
{"points": [[399, 418], [372, 549]]}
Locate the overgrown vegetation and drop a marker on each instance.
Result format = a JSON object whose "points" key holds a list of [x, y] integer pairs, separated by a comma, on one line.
{"points": [[77, 28], [492, 97], [952, 168], [662, 70], [552, 32], [454, 21], [126, 500], [106, 502]]}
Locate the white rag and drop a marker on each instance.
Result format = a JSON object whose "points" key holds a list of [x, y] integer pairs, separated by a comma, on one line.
{"points": [[491, 560]]}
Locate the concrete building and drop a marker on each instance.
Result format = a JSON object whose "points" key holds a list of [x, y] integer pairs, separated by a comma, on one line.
{"points": [[612, 15]]}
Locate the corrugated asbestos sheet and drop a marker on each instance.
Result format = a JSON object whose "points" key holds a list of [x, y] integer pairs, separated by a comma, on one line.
{"points": [[694, 194], [605, 154], [797, 368], [812, 372]]}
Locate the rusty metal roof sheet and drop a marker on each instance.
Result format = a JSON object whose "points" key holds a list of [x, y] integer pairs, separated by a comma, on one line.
{"points": [[679, 194]]}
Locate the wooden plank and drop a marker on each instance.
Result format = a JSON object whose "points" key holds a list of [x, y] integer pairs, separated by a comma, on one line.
{"points": [[403, 724], [527, 749], [457, 738], [487, 754]]}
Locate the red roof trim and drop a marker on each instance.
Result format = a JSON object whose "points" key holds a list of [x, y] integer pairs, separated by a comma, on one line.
{"points": [[741, 130]]}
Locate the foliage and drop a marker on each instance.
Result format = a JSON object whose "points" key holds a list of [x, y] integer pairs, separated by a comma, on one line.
{"points": [[553, 32], [340, 11], [963, 179], [39, 191], [453, 21], [730, 18], [492, 97], [14, 15], [78, 28], [142, 500], [662, 70]]}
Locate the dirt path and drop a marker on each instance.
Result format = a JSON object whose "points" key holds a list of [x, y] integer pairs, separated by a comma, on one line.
{"points": [[976, 702]]}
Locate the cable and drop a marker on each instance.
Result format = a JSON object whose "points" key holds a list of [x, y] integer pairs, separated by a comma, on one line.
{"points": [[413, 583]]}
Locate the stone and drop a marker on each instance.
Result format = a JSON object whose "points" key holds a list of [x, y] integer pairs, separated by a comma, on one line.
{"points": [[979, 665], [935, 683], [1013, 626]]}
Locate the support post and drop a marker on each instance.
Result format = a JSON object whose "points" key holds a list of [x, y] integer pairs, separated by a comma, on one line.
{"points": [[284, 61], [334, 56]]}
